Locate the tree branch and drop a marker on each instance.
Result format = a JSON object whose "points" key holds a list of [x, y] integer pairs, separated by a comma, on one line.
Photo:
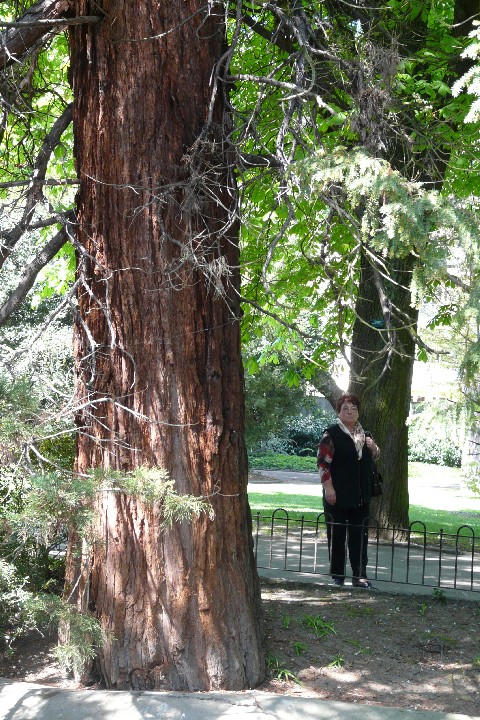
{"points": [[32, 269], [20, 36], [81, 20], [35, 192], [274, 38], [324, 383]]}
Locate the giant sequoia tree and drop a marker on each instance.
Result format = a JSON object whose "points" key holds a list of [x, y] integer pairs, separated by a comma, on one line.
{"points": [[159, 375], [157, 346]]}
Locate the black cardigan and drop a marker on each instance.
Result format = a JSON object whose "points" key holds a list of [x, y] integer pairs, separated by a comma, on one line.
{"points": [[351, 477]]}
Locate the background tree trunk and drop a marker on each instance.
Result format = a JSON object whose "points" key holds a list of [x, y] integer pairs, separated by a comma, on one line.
{"points": [[384, 383], [157, 348]]}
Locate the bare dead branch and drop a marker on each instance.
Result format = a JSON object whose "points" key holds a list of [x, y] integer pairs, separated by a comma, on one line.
{"points": [[47, 183], [280, 84], [81, 20]]}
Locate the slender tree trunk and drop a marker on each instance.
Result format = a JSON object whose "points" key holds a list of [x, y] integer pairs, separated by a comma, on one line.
{"points": [[159, 374], [384, 383]]}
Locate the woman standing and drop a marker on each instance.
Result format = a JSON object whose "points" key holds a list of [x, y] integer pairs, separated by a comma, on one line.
{"points": [[345, 457]]}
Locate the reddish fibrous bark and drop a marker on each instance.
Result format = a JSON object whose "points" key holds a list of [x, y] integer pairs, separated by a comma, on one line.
{"points": [[159, 373]]}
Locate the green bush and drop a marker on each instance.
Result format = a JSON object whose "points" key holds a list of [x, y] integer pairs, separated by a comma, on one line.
{"points": [[282, 461], [435, 451], [299, 437], [303, 432], [20, 611], [434, 434]]}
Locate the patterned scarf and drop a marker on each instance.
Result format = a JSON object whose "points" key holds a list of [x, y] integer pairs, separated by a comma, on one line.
{"points": [[358, 436]]}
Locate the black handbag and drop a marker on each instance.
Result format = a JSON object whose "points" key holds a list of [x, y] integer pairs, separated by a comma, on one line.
{"points": [[377, 481]]}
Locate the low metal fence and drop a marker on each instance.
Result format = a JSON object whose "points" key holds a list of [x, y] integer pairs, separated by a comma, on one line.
{"points": [[410, 556]]}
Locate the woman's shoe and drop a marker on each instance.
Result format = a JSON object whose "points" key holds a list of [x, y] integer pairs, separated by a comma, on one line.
{"points": [[365, 584], [338, 581]]}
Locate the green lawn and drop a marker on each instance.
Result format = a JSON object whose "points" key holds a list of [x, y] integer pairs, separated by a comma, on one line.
{"points": [[435, 519]]}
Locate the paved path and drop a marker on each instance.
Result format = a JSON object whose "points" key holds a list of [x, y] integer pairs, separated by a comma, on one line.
{"points": [[22, 701]]}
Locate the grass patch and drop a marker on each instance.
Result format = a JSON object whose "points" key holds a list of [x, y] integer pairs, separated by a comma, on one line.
{"points": [[281, 461], [445, 520], [427, 472], [309, 507]]}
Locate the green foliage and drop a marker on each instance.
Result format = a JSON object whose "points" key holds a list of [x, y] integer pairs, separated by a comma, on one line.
{"points": [[422, 609], [472, 480], [279, 671], [56, 501], [269, 402], [286, 620], [281, 461], [153, 485], [436, 451], [299, 648], [280, 417], [304, 224], [470, 81], [433, 434], [303, 432], [361, 649], [59, 449], [400, 218], [22, 612], [337, 661], [439, 596], [321, 627], [13, 597], [85, 637]]}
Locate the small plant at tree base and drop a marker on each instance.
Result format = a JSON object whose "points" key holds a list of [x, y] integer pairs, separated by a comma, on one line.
{"points": [[83, 636], [476, 662], [422, 609], [286, 621], [299, 648], [279, 671], [361, 650], [338, 661], [22, 612], [320, 626], [439, 596]]}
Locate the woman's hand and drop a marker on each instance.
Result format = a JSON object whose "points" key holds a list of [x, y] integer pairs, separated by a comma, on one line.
{"points": [[370, 443], [330, 494]]}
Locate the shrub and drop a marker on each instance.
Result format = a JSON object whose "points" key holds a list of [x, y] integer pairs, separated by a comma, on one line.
{"points": [[434, 434], [20, 611], [282, 461], [304, 431], [438, 451], [300, 435]]}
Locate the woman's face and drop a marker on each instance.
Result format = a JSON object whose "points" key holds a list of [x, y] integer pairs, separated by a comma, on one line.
{"points": [[348, 414]]}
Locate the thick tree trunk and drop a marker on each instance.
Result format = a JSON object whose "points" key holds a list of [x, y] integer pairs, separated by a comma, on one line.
{"points": [[383, 383], [157, 349]]}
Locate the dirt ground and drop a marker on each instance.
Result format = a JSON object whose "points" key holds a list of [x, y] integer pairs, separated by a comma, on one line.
{"points": [[370, 647], [351, 645]]}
